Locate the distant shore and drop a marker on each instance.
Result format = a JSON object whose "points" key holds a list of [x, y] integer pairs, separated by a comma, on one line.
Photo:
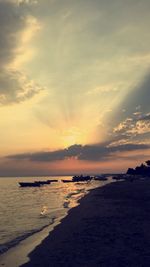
{"points": [[110, 228]]}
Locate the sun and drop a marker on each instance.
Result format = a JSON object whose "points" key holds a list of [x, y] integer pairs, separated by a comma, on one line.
{"points": [[72, 136], [69, 140]]}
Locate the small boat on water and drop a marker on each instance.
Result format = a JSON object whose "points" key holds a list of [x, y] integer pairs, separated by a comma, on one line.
{"points": [[36, 183], [82, 178], [42, 182], [67, 181], [119, 177], [100, 178], [29, 184]]}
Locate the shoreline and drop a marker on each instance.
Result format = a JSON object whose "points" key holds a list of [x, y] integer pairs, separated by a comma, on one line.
{"points": [[18, 254], [110, 228]]}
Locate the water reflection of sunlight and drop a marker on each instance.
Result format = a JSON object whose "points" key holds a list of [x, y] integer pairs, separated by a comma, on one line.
{"points": [[44, 210], [72, 193], [57, 196]]}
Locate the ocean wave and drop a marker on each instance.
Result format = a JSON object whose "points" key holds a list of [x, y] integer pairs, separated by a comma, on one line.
{"points": [[77, 192], [71, 200], [6, 246]]}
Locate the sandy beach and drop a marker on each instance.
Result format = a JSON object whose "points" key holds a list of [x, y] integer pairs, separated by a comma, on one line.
{"points": [[109, 228]]}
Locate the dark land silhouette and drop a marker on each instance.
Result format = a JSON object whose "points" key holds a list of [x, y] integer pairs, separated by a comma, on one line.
{"points": [[143, 169]]}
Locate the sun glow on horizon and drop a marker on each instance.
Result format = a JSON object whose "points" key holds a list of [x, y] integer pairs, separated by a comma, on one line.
{"points": [[73, 136]]}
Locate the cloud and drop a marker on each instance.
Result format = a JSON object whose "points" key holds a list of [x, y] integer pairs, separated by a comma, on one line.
{"points": [[15, 86], [97, 152], [90, 55], [138, 124], [61, 154], [139, 96], [146, 117], [136, 100], [29, 2], [105, 89]]}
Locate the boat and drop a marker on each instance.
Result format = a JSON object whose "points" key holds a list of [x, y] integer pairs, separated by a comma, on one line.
{"points": [[119, 177], [42, 182], [67, 181], [46, 182], [81, 178], [52, 181], [100, 178], [29, 184]]}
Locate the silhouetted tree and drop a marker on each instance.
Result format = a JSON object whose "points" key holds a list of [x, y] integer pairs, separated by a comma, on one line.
{"points": [[131, 171], [140, 170], [148, 163]]}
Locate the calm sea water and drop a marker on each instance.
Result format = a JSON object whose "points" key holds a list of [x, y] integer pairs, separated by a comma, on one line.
{"points": [[25, 211]]}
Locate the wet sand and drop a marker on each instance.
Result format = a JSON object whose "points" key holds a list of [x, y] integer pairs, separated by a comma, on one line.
{"points": [[110, 227]]}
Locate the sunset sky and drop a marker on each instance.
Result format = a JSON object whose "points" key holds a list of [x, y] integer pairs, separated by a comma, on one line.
{"points": [[74, 86]]}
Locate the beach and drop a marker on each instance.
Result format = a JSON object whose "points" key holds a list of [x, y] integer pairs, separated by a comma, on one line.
{"points": [[110, 228]]}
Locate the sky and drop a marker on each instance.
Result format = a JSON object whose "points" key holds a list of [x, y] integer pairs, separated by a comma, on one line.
{"points": [[74, 86]]}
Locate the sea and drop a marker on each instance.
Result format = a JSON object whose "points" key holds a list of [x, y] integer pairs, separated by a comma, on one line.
{"points": [[27, 211]]}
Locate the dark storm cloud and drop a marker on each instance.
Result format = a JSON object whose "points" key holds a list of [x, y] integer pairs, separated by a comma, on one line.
{"points": [[14, 86], [97, 152]]}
